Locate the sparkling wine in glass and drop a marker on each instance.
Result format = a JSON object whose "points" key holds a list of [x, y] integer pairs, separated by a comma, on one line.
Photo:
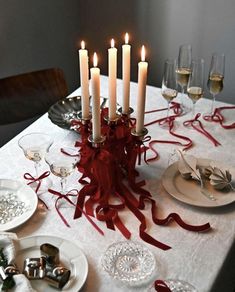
{"points": [[216, 76], [35, 146], [62, 164], [183, 68], [195, 83], [169, 85]]}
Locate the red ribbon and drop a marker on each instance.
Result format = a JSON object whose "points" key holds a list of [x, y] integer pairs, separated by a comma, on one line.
{"points": [[69, 154], [198, 126], [32, 179], [161, 286], [219, 118], [72, 193], [104, 171], [170, 121], [174, 105]]}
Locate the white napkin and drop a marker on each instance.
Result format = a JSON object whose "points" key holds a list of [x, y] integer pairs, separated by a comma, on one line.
{"points": [[9, 243]]}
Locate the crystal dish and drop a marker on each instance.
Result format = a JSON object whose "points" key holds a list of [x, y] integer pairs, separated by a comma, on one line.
{"points": [[129, 262], [176, 286]]}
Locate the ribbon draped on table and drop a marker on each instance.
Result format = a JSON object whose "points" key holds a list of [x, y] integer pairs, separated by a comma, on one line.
{"points": [[218, 117], [195, 123], [110, 183], [198, 126], [38, 181]]}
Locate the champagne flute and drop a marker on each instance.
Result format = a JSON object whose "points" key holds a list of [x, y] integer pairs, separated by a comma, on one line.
{"points": [[62, 164], [35, 146], [216, 76], [169, 85], [183, 69], [195, 83]]}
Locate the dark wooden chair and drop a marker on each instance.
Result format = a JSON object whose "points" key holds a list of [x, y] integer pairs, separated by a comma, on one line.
{"points": [[30, 95]]}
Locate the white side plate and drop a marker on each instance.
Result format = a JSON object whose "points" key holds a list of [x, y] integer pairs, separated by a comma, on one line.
{"points": [[25, 194], [188, 191], [71, 256]]}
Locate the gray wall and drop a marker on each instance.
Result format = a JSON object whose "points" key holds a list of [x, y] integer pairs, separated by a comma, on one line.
{"points": [[163, 25], [35, 35], [39, 34]]}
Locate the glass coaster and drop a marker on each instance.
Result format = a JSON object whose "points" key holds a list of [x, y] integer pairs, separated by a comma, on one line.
{"points": [[129, 262]]}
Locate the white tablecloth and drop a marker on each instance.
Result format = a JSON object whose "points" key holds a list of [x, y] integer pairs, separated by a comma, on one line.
{"points": [[198, 258]]}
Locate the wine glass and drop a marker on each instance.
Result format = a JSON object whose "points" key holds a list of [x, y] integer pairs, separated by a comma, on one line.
{"points": [[62, 163], [216, 76], [35, 146], [195, 83], [183, 69], [169, 85]]}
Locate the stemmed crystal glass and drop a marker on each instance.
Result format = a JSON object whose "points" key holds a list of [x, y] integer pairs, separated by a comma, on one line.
{"points": [[195, 83], [216, 76], [183, 68], [35, 146], [169, 85], [62, 162]]}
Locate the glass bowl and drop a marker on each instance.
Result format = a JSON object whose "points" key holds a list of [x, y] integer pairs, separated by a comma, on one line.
{"points": [[129, 262]]}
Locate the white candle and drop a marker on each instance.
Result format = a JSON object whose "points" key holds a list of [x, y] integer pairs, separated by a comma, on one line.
{"points": [[95, 96], [126, 66], [84, 79], [142, 80], [112, 60]]}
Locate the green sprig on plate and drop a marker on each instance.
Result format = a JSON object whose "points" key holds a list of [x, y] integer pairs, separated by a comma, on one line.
{"points": [[9, 282]]}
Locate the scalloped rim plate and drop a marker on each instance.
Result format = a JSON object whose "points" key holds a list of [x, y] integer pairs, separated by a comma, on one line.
{"points": [[71, 256], [188, 191]]}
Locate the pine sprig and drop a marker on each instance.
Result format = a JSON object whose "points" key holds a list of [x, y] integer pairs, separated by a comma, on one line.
{"points": [[9, 282]]}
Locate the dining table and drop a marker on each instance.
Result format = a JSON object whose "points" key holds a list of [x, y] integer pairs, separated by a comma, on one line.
{"points": [[206, 260]]}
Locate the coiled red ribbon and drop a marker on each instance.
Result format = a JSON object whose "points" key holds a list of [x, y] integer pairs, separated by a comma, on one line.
{"points": [[217, 117], [170, 120], [71, 193], [196, 124], [37, 180]]}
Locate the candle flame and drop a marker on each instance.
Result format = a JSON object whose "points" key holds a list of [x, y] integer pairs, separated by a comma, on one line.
{"points": [[112, 43], [126, 38], [143, 54], [95, 60], [83, 45]]}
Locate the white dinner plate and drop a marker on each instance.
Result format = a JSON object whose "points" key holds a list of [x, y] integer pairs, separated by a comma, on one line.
{"points": [[24, 194], [188, 191], [71, 257]]}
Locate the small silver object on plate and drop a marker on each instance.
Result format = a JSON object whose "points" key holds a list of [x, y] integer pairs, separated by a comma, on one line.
{"points": [[57, 276], [51, 253], [35, 268], [9, 270]]}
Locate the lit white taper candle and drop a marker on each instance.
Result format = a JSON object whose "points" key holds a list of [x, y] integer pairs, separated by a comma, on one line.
{"points": [[84, 79], [126, 66], [112, 63], [142, 80], [95, 96]]}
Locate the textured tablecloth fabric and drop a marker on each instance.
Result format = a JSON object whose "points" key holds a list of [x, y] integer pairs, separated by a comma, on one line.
{"points": [[206, 260]]}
